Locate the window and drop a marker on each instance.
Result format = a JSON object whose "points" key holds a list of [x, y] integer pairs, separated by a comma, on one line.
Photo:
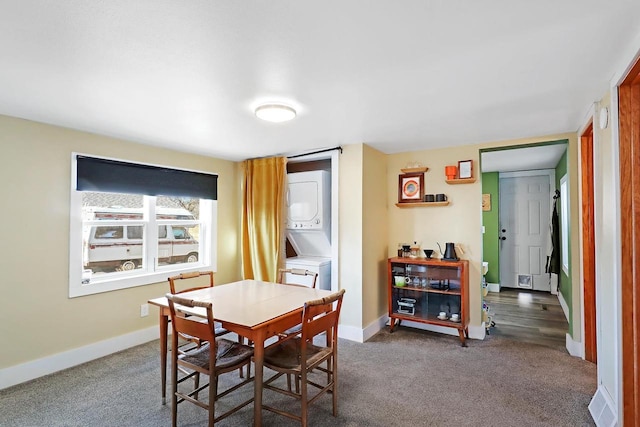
{"points": [[564, 223], [134, 224]]}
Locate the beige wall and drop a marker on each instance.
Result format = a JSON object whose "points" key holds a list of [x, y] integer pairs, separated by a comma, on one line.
{"points": [[458, 222], [350, 265], [35, 173], [375, 223], [37, 317]]}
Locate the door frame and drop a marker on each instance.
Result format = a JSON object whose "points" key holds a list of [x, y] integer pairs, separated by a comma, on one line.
{"points": [[587, 227], [333, 155], [629, 158]]}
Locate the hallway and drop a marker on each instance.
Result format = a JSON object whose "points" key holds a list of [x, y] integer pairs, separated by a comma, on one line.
{"points": [[528, 316]]}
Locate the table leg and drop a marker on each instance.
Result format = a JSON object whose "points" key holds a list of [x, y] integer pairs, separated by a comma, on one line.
{"points": [[164, 325], [258, 360]]}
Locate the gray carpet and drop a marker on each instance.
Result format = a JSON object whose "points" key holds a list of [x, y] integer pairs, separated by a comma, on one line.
{"points": [[407, 378]]}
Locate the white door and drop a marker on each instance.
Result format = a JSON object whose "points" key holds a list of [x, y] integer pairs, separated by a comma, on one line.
{"points": [[524, 231]]}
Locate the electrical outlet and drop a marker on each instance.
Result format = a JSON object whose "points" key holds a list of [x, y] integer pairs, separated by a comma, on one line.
{"points": [[144, 310]]}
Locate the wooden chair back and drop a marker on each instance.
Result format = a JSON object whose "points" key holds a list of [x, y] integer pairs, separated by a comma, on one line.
{"points": [[190, 281], [320, 316], [303, 277], [185, 324]]}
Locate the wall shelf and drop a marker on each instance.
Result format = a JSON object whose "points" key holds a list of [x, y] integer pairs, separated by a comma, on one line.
{"points": [[414, 170], [421, 204], [461, 181]]}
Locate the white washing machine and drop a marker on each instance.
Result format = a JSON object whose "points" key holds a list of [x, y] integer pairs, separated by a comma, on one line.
{"points": [[317, 264]]}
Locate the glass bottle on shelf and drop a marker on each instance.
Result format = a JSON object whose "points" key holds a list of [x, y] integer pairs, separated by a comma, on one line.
{"points": [[415, 250]]}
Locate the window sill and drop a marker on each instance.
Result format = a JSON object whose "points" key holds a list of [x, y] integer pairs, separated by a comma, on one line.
{"points": [[130, 281]]}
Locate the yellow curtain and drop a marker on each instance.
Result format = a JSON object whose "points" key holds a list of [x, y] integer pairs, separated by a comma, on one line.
{"points": [[263, 217]]}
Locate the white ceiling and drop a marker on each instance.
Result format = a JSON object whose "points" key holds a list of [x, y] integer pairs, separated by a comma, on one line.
{"points": [[521, 159], [399, 76]]}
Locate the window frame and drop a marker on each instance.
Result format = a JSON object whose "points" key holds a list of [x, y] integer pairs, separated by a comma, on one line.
{"points": [[153, 274]]}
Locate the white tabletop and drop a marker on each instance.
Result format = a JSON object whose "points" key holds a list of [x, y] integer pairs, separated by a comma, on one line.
{"points": [[251, 302]]}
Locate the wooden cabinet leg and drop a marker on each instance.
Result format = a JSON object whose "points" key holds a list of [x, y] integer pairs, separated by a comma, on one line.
{"points": [[392, 323], [461, 333]]}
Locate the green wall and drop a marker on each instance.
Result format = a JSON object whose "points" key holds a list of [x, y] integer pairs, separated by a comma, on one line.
{"points": [[565, 279], [490, 221]]}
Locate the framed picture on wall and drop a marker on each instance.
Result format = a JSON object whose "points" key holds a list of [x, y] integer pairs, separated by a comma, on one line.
{"points": [[465, 169], [411, 188], [486, 202]]}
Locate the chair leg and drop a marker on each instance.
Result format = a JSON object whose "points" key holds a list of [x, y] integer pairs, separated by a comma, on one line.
{"points": [[196, 383], [174, 390], [334, 388], [241, 373], [303, 396], [240, 341], [213, 395]]}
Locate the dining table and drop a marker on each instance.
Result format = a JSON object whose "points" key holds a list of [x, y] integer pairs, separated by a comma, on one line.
{"points": [[254, 309]]}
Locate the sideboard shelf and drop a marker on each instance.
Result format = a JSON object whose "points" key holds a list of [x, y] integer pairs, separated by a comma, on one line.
{"points": [[427, 288]]}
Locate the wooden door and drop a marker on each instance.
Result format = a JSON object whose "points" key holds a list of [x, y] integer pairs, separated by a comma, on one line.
{"points": [[524, 231], [588, 245], [629, 116]]}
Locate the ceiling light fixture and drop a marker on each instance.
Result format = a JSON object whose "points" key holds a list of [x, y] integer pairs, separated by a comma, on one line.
{"points": [[275, 113]]}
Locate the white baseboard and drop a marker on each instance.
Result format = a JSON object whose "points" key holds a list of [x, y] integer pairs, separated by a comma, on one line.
{"points": [[478, 332], [565, 307], [353, 333], [375, 327], [350, 333], [47, 365], [493, 287], [602, 409], [575, 348]]}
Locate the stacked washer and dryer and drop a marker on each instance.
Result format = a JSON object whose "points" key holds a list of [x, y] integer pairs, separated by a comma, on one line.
{"points": [[309, 223]]}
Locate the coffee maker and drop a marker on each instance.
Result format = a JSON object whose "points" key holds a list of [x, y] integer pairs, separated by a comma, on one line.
{"points": [[449, 252]]}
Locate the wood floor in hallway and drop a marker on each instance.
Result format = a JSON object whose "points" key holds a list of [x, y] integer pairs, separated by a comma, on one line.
{"points": [[528, 316]]}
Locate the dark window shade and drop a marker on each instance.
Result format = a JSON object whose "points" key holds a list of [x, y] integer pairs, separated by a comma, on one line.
{"points": [[121, 177]]}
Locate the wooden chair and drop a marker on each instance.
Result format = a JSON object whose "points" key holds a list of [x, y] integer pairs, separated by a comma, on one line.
{"points": [[192, 282], [297, 273], [213, 358], [301, 274], [298, 356]]}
